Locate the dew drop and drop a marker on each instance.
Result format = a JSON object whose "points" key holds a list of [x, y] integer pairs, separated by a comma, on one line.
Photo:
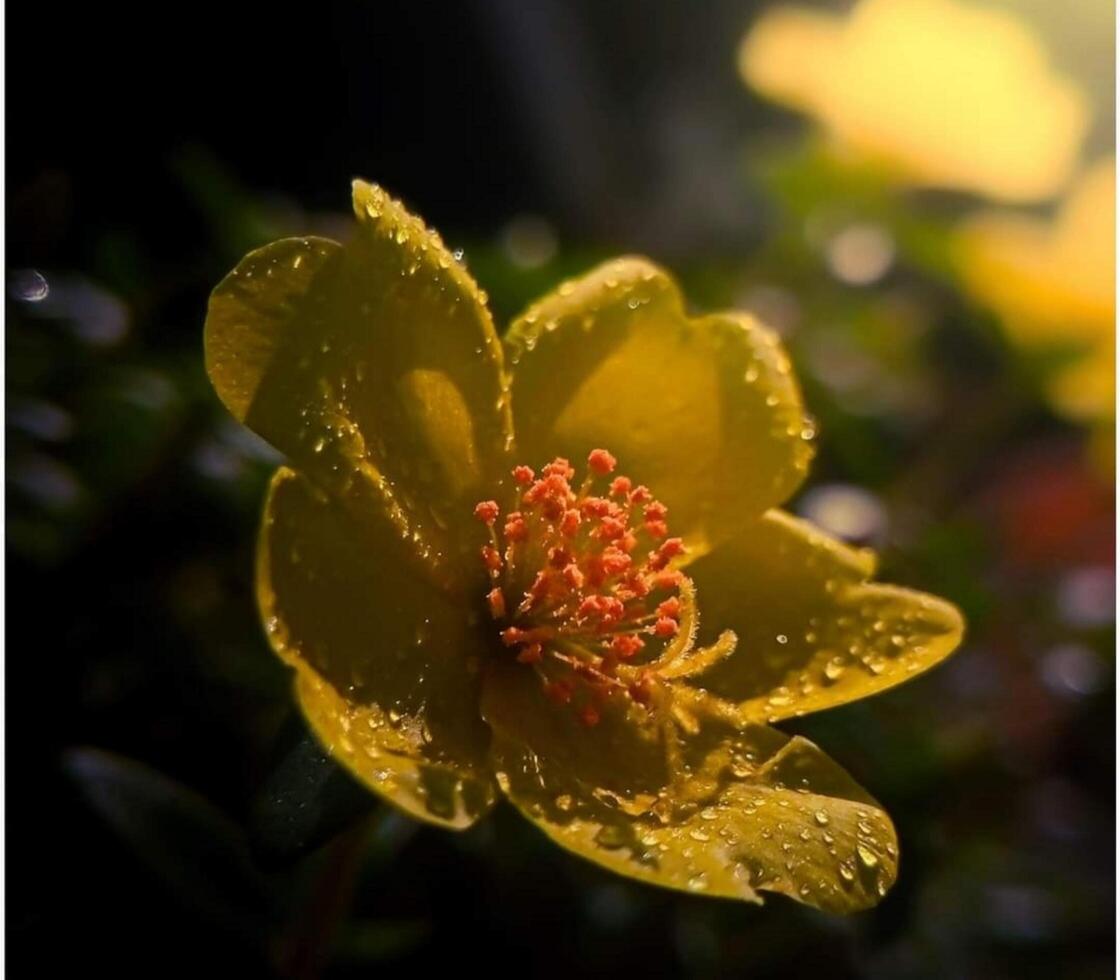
{"points": [[610, 837]]}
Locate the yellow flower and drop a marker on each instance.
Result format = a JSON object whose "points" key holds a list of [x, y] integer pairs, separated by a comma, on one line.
{"points": [[1054, 283], [940, 93], [462, 625]]}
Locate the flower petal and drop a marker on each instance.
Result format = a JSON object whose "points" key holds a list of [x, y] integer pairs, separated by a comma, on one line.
{"points": [[703, 410], [813, 632], [762, 813], [623, 758], [375, 366], [387, 664]]}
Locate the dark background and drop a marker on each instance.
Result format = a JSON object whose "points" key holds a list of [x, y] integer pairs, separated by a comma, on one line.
{"points": [[149, 732]]}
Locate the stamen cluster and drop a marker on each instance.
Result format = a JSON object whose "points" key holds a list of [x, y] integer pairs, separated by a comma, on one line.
{"points": [[583, 580]]}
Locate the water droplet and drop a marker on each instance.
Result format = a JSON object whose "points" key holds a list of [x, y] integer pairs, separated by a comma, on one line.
{"points": [[28, 285], [610, 837], [867, 857]]}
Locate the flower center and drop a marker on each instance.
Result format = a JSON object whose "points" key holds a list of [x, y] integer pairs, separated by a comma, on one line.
{"points": [[582, 585]]}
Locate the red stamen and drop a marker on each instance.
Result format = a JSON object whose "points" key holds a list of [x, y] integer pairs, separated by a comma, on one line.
{"points": [[568, 582], [497, 602], [487, 511], [601, 462]]}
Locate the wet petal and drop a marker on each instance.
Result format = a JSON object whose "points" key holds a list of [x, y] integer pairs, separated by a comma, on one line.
{"points": [[374, 365], [387, 664], [622, 757], [703, 410], [813, 632], [762, 813]]}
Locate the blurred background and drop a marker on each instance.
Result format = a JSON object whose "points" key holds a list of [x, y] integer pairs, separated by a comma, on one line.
{"points": [[918, 194]]}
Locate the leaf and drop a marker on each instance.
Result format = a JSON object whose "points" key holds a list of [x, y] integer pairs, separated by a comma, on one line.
{"points": [[306, 800], [195, 849]]}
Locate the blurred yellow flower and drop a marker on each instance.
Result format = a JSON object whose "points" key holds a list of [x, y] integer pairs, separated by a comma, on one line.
{"points": [[937, 92], [1053, 283], [462, 627]]}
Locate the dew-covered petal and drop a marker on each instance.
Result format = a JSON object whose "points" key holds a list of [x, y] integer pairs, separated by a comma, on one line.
{"points": [[760, 813], [373, 365], [622, 756], [813, 631], [704, 410], [387, 665]]}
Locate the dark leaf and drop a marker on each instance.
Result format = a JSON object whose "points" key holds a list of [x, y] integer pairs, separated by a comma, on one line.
{"points": [[306, 800]]}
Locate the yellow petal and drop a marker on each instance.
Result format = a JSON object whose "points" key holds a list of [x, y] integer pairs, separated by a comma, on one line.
{"points": [[769, 814], [789, 53], [703, 410], [1050, 281], [374, 366], [622, 757], [891, 81], [813, 632], [387, 664]]}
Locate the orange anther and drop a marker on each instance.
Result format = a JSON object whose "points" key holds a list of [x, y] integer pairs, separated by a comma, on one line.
{"points": [[611, 528], [559, 467], [531, 654], [497, 603], [573, 576], [667, 580], [626, 645], [640, 495], [487, 511], [515, 529], [601, 462], [570, 522]]}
